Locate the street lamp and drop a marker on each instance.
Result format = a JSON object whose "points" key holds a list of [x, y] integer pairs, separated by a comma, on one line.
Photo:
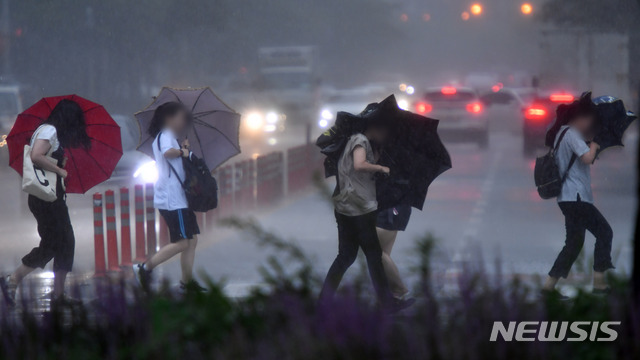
{"points": [[526, 9], [476, 9]]}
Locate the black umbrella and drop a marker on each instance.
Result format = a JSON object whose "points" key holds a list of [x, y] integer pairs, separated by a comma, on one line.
{"points": [[415, 154], [613, 121]]}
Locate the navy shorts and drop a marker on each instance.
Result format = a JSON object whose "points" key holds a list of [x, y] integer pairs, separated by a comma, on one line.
{"points": [[182, 224], [394, 219]]}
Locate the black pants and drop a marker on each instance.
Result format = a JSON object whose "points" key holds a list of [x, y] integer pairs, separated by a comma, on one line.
{"points": [[57, 240], [356, 232], [579, 217]]}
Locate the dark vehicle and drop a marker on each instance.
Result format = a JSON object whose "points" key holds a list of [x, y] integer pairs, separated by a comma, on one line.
{"points": [[461, 114], [537, 117]]}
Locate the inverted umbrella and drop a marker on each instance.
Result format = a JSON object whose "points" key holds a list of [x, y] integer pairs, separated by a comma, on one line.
{"points": [[613, 121], [414, 152], [86, 167], [214, 134]]}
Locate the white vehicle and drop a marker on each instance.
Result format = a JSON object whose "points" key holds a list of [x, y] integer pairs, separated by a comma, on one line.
{"points": [[10, 106], [352, 101], [133, 165], [460, 111]]}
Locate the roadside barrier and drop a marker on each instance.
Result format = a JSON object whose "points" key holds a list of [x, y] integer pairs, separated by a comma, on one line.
{"points": [[98, 236], [242, 186], [125, 227], [151, 220], [112, 234], [141, 243]]}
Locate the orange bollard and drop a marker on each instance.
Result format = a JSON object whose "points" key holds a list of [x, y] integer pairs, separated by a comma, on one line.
{"points": [[151, 220], [164, 233], [125, 227], [112, 234], [141, 248], [98, 236]]}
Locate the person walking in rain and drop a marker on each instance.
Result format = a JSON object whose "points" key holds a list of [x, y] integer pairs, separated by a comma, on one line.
{"points": [[169, 121], [356, 214], [64, 128], [389, 222], [576, 152]]}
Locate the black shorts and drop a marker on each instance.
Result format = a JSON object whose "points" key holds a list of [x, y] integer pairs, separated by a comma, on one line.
{"points": [[182, 224], [394, 219]]}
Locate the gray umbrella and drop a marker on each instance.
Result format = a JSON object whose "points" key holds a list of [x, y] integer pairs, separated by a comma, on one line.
{"points": [[214, 135]]}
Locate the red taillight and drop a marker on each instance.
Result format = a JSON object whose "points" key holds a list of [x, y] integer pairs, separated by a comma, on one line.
{"points": [[449, 90], [535, 113], [474, 108], [423, 108], [565, 98]]}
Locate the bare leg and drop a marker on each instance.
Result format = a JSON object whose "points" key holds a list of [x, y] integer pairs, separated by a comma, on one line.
{"points": [[20, 274], [387, 239], [599, 281], [58, 283], [166, 253], [187, 259], [550, 284]]}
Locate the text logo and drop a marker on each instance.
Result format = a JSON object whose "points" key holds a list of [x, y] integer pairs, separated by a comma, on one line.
{"points": [[555, 331]]}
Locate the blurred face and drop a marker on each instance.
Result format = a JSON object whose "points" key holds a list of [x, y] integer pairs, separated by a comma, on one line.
{"points": [[584, 124], [378, 134], [178, 122]]}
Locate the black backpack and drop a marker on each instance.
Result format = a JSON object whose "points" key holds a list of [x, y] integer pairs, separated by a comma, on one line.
{"points": [[547, 175], [200, 187]]}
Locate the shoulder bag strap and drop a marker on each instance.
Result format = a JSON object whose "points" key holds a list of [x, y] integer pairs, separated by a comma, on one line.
{"points": [[574, 157], [169, 163]]}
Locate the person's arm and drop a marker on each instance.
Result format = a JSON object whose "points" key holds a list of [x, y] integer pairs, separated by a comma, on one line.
{"points": [[360, 162], [172, 153], [39, 158], [590, 156]]}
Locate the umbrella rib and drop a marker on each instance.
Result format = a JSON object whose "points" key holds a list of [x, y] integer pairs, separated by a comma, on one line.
{"points": [[107, 145], [176, 95], [196, 102], [77, 172], [202, 123], [97, 163]]}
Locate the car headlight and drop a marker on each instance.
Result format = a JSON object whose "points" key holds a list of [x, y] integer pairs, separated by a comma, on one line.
{"points": [[272, 117], [326, 115], [403, 104], [254, 121], [148, 172], [323, 123]]}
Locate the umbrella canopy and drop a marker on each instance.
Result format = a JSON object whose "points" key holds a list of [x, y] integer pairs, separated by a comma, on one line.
{"points": [[414, 153], [214, 134], [86, 168], [613, 121]]}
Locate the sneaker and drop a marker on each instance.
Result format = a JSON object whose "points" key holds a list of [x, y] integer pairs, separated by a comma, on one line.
{"points": [[398, 305], [8, 290], [192, 286], [143, 276]]}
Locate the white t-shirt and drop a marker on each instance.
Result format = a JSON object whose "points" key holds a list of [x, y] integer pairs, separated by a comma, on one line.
{"points": [[168, 193], [49, 133]]}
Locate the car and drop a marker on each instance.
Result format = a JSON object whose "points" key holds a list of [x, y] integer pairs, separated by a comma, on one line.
{"points": [[504, 107], [538, 115], [460, 111], [353, 101], [134, 166]]}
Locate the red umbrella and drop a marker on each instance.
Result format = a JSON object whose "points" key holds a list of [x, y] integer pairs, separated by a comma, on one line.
{"points": [[86, 168]]}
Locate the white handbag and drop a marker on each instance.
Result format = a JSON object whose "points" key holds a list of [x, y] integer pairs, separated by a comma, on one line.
{"points": [[36, 181]]}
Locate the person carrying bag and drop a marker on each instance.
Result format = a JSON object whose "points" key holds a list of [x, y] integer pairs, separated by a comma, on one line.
{"points": [[37, 181]]}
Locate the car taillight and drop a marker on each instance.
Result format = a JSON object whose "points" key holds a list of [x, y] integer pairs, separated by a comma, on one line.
{"points": [[423, 108], [535, 113], [449, 90], [474, 108], [564, 98]]}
